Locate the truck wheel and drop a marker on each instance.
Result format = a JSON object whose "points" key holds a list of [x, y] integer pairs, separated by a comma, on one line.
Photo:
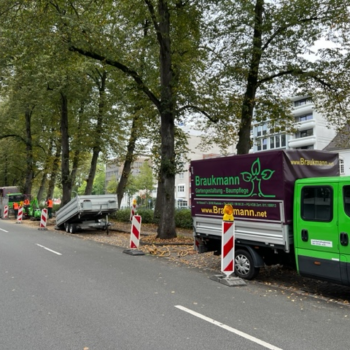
{"points": [[67, 226], [72, 228], [244, 265]]}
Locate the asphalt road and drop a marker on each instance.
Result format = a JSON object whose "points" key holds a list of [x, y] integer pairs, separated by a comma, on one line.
{"points": [[62, 292]]}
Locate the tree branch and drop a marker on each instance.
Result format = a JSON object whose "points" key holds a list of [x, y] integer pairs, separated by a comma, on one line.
{"points": [[298, 71], [197, 109], [283, 28], [131, 73], [154, 21], [14, 136]]}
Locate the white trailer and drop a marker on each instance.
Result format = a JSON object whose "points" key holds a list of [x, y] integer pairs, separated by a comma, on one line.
{"points": [[84, 212]]}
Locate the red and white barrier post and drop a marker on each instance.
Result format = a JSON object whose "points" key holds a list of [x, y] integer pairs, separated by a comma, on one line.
{"points": [[20, 215], [228, 248], [133, 209], [43, 220], [6, 212], [135, 232], [135, 237]]}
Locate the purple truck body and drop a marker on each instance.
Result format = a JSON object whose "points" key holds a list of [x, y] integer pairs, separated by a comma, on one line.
{"points": [[259, 186]]}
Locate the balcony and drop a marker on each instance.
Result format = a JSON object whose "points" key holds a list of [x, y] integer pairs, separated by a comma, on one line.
{"points": [[305, 125], [302, 142]]}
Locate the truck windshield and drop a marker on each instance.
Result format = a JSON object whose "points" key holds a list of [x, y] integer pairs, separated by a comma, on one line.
{"points": [[16, 198]]}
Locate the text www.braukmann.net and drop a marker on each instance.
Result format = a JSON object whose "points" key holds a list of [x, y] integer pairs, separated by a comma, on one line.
{"points": [[236, 212]]}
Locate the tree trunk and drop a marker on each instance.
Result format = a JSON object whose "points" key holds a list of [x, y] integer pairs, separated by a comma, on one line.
{"points": [[244, 142], [54, 171], [42, 186], [29, 153], [98, 136], [45, 171], [128, 161], [92, 172], [159, 204], [66, 180], [166, 226]]}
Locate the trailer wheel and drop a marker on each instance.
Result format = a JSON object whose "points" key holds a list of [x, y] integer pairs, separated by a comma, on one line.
{"points": [[244, 265]]}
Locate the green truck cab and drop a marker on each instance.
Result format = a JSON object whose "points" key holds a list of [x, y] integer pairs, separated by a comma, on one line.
{"points": [[322, 227]]}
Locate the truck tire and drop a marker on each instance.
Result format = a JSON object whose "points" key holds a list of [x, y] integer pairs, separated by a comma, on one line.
{"points": [[67, 226], [72, 228], [244, 265]]}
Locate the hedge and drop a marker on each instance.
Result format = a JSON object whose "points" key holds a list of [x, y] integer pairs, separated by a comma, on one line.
{"points": [[183, 218]]}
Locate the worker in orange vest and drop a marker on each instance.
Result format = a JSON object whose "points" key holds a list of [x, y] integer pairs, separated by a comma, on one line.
{"points": [[15, 209], [26, 204], [49, 204]]}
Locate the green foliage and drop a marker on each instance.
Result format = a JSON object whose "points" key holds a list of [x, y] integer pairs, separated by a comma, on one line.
{"points": [[183, 218], [123, 215], [146, 214], [112, 185]]}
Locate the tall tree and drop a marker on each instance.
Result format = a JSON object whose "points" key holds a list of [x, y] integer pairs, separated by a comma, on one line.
{"points": [[263, 48], [172, 30]]}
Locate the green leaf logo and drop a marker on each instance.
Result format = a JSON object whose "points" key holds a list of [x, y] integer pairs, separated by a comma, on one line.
{"points": [[256, 168], [266, 174], [247, 177]]}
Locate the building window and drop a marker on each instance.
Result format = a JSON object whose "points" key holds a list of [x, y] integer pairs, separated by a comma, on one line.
{"points": [[302, 102], [304, 133], [264, 129], [181, 176], [283, 140], [264, 142], [303, 118], [258, 145], [272, 142], [182, 204], [259, 130], [181, 188], [277, 138]]}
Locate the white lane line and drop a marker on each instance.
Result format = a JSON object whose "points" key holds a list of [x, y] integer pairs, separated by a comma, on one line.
{"points": [[50, 250], [3, 230], [228, 328]]}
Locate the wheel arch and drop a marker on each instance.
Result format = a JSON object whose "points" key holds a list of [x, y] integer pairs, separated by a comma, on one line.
{"points": [[257, 259]]}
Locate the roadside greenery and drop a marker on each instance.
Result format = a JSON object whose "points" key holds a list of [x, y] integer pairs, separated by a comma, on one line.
{"points": [[183, 218]]}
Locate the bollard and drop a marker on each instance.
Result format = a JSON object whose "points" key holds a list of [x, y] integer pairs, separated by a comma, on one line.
{"points": [[135, 232], [43, 220], [135, 237], [228, 248], [20, 215], [6, 212]]}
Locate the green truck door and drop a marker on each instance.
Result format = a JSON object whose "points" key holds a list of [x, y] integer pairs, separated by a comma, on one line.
{"points": [[316, 233], [344, 232]]}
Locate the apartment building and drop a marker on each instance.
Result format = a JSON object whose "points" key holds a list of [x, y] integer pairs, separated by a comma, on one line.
{"points": [[183, 180], [312, 130]]}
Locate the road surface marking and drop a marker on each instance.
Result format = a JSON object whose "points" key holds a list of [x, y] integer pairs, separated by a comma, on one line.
{"points": [[50, 250], [3, 230], [228, 328]]}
